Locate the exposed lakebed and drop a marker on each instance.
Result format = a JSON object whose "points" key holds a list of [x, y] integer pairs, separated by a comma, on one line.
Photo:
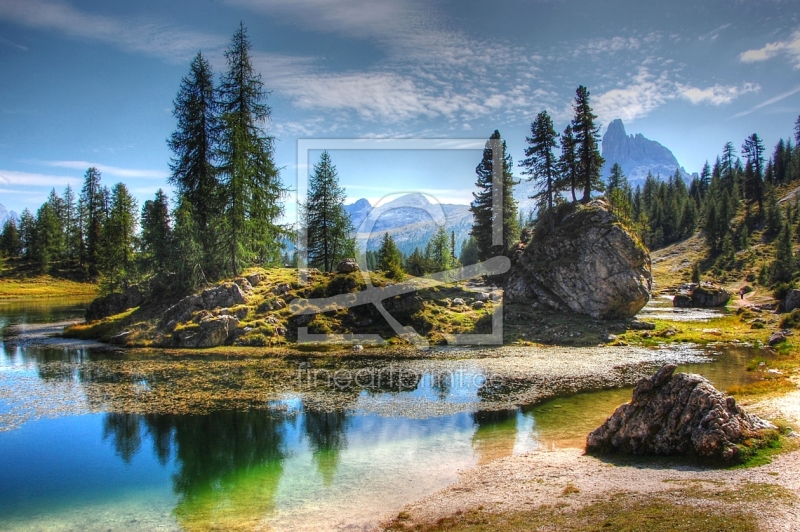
{"points": [[95, 439]]}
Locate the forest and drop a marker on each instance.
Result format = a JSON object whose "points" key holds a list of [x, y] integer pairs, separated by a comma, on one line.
{"points": [[230, 199]]}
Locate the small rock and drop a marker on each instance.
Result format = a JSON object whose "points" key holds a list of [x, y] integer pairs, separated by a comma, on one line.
{"points": [[254, 279], [458, 301], [244, 284], [638, 325], [611, 338], [358, 347], [777, 337], [480, 296], [478, 305]]}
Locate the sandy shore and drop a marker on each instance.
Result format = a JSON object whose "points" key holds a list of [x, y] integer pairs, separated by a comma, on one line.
{"points": [[567, 478]]}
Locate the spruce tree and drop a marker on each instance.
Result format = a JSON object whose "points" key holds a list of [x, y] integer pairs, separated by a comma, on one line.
{"points": [[587, 135], [390, 260], [46, 244], [194, 145], [705, 179], [469, 252], [753, 150], [481, 207], [10, 244], [568, 161], [119, 240], [252, 189], [156, 233], [72, 233], [782, 268], [27, 233], [416, 264], [93, 215], [617, 179], [327, 225], [437, 252], [187, 255], [540, 163]]}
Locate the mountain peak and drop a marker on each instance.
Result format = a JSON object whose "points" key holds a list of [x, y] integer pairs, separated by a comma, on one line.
{"points": [[637, 155]]}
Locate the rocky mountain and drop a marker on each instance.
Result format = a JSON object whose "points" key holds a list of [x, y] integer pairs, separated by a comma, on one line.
{"points": [[410, 219], [6, 214], [637, 155]]}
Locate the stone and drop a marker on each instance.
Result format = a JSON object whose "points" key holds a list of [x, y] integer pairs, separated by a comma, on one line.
{"points": [[677, 414], [638, 325], [588, 263], [254, 279], [480, 296], [682, 301], [210, 332], [777, 337], [222, 296], [458, 301], [280, 289], [358, 347], [347, 266], [244, 284], [114, 303], [705, 295], [792, 300], [478, 305]]}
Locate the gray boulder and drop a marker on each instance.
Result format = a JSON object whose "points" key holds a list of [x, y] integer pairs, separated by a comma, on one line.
{"points": [[706, 295], [347, 266], [224, 295], [212, 331], [792, 300], [114, 303], [587, 263], [680, 414]]}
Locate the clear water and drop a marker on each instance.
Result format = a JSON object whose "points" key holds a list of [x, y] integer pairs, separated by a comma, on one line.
{"points": [[289, 467]]}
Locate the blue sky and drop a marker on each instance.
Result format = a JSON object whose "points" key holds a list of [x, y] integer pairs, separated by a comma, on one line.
{"points": [[92, 82]]}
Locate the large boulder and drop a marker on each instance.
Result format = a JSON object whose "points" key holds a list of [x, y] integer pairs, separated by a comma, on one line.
{"points": [[705, 295], [586, 263], [114, 303], [677, 414], [347, 266], [792, 300], [212, 331], [224, 295]]}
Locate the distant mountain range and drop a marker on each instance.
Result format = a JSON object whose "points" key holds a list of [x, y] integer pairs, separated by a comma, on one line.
{"points": [[6, 214], [411, 220], [637, 155]]}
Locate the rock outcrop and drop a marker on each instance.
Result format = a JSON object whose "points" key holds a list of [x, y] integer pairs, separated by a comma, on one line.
{"points": [[677, 414], [114, 303], [792, 300], [222, 296], [588, 263], [705, 295]]}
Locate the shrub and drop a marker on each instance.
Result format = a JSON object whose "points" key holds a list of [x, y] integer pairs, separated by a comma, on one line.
{"points": [[792, 321]]}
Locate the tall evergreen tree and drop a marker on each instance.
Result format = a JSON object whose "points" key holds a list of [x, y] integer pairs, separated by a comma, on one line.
{"points": [[438, 253], [72, 234], [47, 241], [328, 228], [469, 252], [93, 202], [753, 150], [119, 240], [194, 144], [27, 233], [484, 216], [587, 136], [252, 188], [705, 179], [540, 163], [617, 179], [156, 233], [568, 161], [10, 243], [390, 260]]}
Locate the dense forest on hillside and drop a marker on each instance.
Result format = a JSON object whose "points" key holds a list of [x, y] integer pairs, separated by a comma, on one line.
{"points": [[230, 199]]}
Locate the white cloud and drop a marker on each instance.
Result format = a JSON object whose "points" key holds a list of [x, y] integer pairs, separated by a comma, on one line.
{"points": [[110, 170], [789, 47], [150, 37], [716, 95], [12, 178]]}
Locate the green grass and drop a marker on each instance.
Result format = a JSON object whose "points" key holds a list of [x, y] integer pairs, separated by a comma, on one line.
{"points": [[43, 286]]}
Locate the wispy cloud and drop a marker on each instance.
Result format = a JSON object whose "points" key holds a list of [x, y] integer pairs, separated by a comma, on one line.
{"points": [[151, 37], [789, 47], [768, 102], [12, 177], [6, 42], [716, 95], [110, 170]]}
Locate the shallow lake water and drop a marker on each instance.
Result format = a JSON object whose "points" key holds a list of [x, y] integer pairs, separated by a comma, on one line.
{"points": [[74, 459]]}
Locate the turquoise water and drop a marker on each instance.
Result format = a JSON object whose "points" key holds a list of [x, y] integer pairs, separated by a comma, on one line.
{"points": [[289, 467]]}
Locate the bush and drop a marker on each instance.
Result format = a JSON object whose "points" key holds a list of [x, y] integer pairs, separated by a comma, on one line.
{"points": [[792, 321], [782, 289]]}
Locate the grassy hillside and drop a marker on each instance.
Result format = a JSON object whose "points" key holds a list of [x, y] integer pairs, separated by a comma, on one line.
{"points": [[19, 279]]}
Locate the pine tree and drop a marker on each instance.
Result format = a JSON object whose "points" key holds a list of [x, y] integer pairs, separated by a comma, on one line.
{"points": [[797, 132], [540, 163], [252, 188], [72, 233], [390, 260], [753, 150], [705, 179], [416, 264], [568, 161], [119, 240], [186, 259], [93, 202], [27, 233], [783, 266], [728, 167], [617, 179], [156, 233], [10, 243], [587, 136], [469, 252], [327, 225], [194, 144], [483, 213], [47, 240], [437, 252]]}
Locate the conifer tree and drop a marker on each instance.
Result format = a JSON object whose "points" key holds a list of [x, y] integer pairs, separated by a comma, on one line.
{"points": [[252, 189], [194, 145], [390, 260], [27, 233], [568, 161], [156, 233], [10, 244], [705, 179], [469, 252], [540, 163], [93, 202], [753, 150], [481, 207], [47, 236], [437, 252], [416, 264], [327, 225], [587, 135], [72, 233], [617, 179], [186, 259], [119, 240], [783, 266]]}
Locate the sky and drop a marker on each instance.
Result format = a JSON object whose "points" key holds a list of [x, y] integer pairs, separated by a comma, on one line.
{"points": [[92, 83]]}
